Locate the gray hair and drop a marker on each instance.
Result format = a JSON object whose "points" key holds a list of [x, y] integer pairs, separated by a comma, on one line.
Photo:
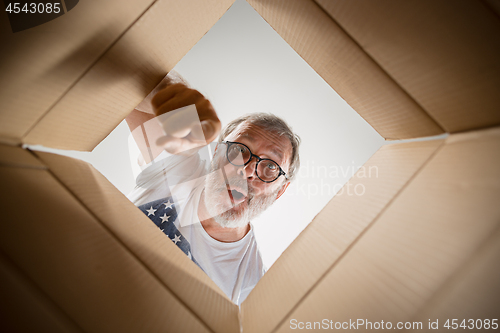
{"points": [[273, 124]]}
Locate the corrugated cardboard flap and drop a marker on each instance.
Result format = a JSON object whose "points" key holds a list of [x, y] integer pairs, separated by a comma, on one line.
{"points": [[441, 225], [170, 265], [444, 54], [318, 248], [422, 239], [347, 68], [96, 256], [16, 157], [39, 65], [122, 77]]}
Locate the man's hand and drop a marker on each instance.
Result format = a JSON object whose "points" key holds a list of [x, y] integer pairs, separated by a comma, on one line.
{"points": [[184, 133]]}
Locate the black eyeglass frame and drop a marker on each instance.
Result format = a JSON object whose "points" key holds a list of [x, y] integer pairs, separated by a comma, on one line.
{"points": [[229, 143]]}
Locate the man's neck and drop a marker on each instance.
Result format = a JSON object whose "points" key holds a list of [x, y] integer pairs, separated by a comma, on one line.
{"points": [[214, 229]]}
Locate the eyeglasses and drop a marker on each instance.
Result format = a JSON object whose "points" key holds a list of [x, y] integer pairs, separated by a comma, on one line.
{"points": [[240, 155]]}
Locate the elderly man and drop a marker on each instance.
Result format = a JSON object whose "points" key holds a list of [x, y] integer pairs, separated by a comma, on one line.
{"points": [[206, 208]]}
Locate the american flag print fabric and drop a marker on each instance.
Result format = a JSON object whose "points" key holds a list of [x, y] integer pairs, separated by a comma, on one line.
{"points": [[163, 213]]}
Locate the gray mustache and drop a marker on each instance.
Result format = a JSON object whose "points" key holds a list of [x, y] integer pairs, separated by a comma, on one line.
{"points": [[238, 182]]}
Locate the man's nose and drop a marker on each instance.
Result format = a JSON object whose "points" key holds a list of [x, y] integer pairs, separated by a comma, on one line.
{"points": [[248, 171]]}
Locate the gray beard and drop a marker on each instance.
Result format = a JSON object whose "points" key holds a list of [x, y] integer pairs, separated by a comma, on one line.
{"points": [[215, 189]]}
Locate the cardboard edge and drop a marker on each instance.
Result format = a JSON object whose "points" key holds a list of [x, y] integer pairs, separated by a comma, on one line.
{"points": [[27, 133], [478, 134], [360, 236], [436, 123], [84, 217], [121, 242], [463, 269], [10, 141], [413, 113], [447, 114], [15, 156], [39, 132], [42, 157], [62, 64], [364, 231]]}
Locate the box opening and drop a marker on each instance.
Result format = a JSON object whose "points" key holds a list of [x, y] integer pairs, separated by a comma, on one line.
{"points": [[242, 66], [421, 244]]}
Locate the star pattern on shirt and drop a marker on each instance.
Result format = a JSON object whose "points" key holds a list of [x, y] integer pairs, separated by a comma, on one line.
{"points": [[168, 204], [151, 211], [164, 218], [177, 238], [166, 210]]}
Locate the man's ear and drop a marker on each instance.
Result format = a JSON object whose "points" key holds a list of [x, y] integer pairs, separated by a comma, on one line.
{"points": [[282, 189]]}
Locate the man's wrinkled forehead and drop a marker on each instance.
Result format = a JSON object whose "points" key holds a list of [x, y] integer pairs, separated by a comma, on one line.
{"points": [[273, 150], [279, 146]]}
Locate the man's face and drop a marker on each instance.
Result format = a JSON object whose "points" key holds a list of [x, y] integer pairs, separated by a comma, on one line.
{"points": [[239, 197]]}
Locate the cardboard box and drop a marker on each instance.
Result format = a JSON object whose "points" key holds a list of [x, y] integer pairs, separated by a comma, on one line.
{"points": [[422, 244]]}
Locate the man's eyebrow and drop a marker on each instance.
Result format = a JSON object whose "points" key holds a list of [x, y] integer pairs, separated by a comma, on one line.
{"points": [[275, 152], [278, 154]]}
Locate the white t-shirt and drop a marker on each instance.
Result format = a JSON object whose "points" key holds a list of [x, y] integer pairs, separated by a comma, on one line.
{"points": [[235, 267]]}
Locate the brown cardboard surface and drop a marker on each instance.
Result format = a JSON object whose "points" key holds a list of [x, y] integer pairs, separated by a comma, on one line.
{"points": [[17, 295], [17, 157], [347, 68], [40, 64], [445, 54], [128, 71], [472, 293], [330, 234], [422, 241], [424, 238], [136, 232], [493, 5], [80, 265]]}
